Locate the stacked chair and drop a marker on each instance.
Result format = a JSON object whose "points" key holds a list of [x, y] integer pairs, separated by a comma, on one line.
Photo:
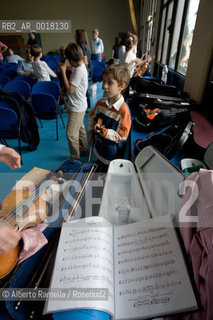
{"points": [[19, 86], [31, 80], [45, 100], [97, 70], [3, 80], [10, 123]]}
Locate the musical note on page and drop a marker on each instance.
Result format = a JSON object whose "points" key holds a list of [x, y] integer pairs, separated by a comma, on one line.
{"points": [[84, 260]]}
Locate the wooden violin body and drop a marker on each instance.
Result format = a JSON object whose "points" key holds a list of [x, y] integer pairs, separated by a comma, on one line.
{"points": [[17, 210], [152, 113]]}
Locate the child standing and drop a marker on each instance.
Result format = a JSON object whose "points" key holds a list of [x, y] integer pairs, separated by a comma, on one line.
{"points": [[42, 71], [110, 119], [76, 89]]}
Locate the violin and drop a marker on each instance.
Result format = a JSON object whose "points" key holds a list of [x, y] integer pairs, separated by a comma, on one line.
{"points": [[23, 209], [152, 113], [149, 113], [142, 69]]}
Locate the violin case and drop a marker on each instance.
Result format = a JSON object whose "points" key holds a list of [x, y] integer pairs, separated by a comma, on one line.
{"points": [[168, 141], [142, 85], [132, 192], [24, 273], [136, 191]]}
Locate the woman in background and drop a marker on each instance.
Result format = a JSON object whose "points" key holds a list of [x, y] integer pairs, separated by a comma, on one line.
{"points": [[115, 48]]}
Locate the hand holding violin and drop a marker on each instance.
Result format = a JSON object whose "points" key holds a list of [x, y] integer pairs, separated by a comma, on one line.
{"points": [[99, 129], [143, 65]]}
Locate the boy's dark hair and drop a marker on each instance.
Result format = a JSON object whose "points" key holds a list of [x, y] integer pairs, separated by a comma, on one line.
{"points": [[35, 50], [112, 61], [74, 52], [129, 43], [119, 73]]}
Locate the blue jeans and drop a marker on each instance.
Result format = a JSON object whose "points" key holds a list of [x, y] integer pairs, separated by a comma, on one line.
{"points": [[96, 56]]}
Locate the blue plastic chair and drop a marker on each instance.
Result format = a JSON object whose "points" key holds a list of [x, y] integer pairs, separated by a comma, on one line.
{"points": [[55, 79], [45, 107], [58, 58], [50, 87], [10, 66], [97, 70], [28, 79], [10, 126], [21, 87], [50, 56], [9, 103], [3, 80], [10, 73], [53, 64]]}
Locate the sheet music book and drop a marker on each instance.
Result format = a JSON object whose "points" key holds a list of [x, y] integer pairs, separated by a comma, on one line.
{"points": [[140, 264]]}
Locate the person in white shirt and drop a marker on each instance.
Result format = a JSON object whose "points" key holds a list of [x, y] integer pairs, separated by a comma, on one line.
{"points": [[121, 53], [76, 88], [96, 45], [122, 48], [42, 71], [129, 57]]}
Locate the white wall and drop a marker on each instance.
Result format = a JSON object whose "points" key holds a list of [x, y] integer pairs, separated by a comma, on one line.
{"points": [[201, 52], [109, 16]]}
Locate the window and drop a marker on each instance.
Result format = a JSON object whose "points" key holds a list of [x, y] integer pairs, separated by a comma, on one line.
{"points": [[167, 32], [177, 23], [187, 36], [176, 33], [147, 25], [161, 35]]}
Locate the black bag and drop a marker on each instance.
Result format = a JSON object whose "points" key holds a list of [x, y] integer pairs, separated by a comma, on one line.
{"points": [[169, 141], [29, 127], [155, 119], [142, 85]]}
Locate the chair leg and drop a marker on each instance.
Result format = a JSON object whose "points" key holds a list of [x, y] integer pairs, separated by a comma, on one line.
{"points": [[62, 119], [40, 123], [19, 147], [5, 142], [56, 127]]}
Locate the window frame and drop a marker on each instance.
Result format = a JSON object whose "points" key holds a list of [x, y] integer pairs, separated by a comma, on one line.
{"points": [[162, 27]]}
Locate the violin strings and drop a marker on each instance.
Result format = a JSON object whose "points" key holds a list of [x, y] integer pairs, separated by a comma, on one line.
{"points": [[12, 215], [39, 189]]}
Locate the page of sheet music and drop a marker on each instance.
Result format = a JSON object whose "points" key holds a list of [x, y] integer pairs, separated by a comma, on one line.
{"points": [[84, 260], [151, 278]]}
